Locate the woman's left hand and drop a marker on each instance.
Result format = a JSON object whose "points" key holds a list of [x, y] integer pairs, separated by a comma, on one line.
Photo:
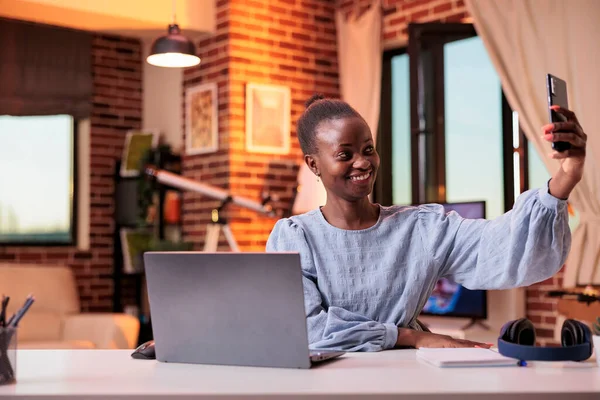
{"points": [[572, 160]]}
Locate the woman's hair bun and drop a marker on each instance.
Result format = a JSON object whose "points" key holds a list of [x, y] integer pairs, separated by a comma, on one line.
{"points": [[315, 97]]}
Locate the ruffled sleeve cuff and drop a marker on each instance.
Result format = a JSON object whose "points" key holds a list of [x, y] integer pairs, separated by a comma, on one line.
{"points": [[549, 201], [391, 336]]}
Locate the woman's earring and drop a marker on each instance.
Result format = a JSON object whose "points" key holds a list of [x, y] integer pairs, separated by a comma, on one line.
{"points": [[318, 175]]}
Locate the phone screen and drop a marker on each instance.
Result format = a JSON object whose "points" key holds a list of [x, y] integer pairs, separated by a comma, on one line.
{"points": [[557, 96]]}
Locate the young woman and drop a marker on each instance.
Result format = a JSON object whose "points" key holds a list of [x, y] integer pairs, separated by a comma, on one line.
{"points": [[368, 269]]}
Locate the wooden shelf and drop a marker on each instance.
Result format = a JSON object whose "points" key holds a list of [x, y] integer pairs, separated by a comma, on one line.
{"points": [[580, 311]]}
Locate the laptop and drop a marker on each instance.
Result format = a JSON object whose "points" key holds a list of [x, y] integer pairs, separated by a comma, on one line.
{"points": [[243, 309]]}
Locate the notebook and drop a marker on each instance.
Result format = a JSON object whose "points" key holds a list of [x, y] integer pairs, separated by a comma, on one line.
{"points": [[465, 357]]}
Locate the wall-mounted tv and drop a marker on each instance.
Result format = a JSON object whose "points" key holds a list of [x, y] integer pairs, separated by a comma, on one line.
{"points": [[37, 180], [449, 298]]}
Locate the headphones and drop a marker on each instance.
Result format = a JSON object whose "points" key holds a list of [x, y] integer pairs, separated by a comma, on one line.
{"points": [[517, 340]]}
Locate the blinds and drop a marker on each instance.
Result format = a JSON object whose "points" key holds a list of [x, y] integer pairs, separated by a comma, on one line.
{"points": [[44, 70]]}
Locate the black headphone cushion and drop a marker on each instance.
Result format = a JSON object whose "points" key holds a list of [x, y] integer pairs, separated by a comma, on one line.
{"points": [[572, 333], [521, 331]]}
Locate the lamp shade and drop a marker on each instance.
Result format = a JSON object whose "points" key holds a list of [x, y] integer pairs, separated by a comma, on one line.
{"points": [[173, 50]]}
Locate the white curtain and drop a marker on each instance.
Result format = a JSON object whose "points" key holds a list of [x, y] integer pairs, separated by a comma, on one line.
{"points": [[526, 39], [359, 45], [360, 49]]}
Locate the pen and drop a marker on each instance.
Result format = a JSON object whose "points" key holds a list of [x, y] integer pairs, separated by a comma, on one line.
{"points": [[14, 320], [5, 300], [522, 363]]}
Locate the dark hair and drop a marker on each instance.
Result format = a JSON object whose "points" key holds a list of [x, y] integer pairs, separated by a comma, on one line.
{"points": [[319, 109]]}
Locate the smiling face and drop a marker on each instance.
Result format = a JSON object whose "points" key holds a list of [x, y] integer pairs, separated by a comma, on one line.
{"points": [[346, 158]]}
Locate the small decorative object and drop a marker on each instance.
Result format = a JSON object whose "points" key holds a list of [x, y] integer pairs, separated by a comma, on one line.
{"points": [[172, 207], [201, 125], [267, 118], [137, 144]]}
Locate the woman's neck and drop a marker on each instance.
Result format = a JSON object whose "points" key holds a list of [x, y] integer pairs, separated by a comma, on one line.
{"points": [[357, 215]]}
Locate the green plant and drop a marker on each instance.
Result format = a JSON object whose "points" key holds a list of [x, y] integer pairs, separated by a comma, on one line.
{"points": [[596, 326], [147, 186]]}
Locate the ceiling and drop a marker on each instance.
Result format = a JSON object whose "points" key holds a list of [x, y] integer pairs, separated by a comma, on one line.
{"points": [[144, 19]]}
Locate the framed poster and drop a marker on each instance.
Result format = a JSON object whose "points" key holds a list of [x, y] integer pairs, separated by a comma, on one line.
{"points": [[137, 143], [201, 114], [267, 118], [134, 242]]}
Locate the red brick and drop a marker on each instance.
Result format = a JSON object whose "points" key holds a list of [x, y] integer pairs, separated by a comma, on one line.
{"points": [[419, 15], [456, 17], [397, 20], [407, 5], [544, 333], [539, 306], [536, 319], [442, 8]]}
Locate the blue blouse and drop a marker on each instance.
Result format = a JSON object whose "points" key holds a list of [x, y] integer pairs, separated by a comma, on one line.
{"points": [[361, 285]]}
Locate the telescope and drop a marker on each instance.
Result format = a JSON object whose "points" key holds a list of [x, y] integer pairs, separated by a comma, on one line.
{"points": [[212, 233], [180, 182]]}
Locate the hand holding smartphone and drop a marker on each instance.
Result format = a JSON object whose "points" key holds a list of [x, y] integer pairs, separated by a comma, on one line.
{"points": [[556, 90]]}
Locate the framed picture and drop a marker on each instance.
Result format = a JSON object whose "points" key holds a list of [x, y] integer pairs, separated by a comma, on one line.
{"points": [[137, 143], [201, 119], [267, 118], [134, 242]]}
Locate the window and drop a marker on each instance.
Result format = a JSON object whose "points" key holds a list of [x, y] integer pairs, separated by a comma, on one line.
{"points": [[446, 128], [37, 180]]}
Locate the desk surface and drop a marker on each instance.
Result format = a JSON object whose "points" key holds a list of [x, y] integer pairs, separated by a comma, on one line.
{"points": [[78, 374]]}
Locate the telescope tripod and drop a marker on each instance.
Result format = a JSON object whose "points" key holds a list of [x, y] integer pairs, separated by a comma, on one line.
{"points": [[213, 230]]}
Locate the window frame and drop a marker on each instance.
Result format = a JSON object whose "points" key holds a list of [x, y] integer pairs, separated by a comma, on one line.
{"points": [[437, 35]]}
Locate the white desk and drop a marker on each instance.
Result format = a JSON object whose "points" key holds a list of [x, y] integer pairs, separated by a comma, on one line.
{"points": [[112, 374]]}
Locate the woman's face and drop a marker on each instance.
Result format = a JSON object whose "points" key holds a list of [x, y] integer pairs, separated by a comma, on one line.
{"points": [[346, 158]]}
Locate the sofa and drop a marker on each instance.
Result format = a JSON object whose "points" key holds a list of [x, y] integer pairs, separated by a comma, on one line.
{"points": [[55, 320]]}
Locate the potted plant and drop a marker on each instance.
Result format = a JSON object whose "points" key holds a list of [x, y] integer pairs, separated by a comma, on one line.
{"points": [[596, 339]]}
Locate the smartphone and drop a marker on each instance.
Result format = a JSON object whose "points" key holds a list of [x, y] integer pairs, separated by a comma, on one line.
{"points": [[556, 89]]}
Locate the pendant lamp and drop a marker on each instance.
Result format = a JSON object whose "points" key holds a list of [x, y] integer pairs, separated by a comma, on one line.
{"points": [[173, 50]]}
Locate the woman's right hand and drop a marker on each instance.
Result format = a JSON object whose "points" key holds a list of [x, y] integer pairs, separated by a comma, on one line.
{"points": [[428, 339], [421, 339]]}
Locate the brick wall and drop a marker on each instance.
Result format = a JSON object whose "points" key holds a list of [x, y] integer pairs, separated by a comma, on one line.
{"points": [[285, 42], [117, 107]]}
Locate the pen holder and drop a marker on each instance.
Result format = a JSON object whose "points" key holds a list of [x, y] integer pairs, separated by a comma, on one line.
{"points": [[8, 355]]}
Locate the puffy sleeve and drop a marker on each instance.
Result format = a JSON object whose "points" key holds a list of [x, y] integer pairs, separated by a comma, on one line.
{"points": [[331, 328], [528, 244]]}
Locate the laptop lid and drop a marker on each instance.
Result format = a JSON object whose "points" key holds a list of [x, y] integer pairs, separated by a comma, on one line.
{"points": [[243, 309]]}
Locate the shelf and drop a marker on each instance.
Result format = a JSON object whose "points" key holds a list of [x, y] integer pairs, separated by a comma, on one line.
{"points": [[580, 311]]}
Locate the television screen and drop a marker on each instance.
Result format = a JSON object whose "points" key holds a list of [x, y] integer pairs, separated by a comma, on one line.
{"points": [[37, 180], [449, 298]]}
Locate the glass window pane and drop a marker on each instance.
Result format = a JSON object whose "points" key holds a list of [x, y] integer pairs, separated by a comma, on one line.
{"points": [[36, 194], [473, 117], [401, 130], [538, 175]]}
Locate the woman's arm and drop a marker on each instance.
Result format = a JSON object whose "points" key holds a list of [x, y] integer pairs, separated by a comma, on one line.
{"points": [[332, 328], [531, 242], [526, 245]]}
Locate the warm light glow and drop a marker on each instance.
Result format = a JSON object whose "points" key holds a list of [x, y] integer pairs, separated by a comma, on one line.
{"points": [[515, 130], [517, 174], [173, 60]]}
